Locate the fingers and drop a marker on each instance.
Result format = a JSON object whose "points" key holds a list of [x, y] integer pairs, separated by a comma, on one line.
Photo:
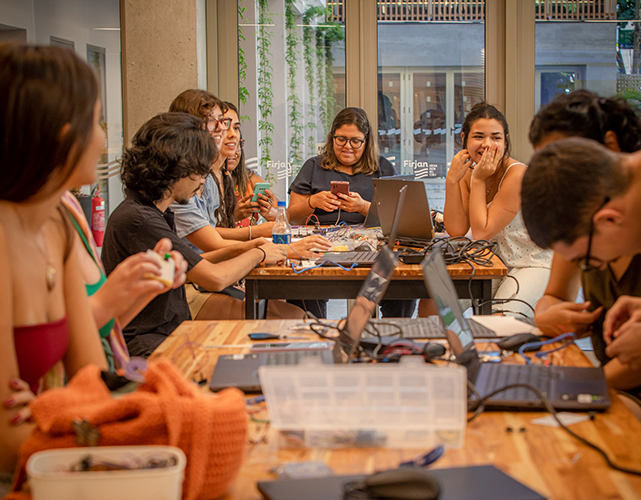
{"points": [[19, 398], [22, 415], [163, 246]]}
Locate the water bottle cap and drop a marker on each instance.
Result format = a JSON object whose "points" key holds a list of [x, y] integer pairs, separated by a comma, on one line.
{"points": [[281, 204]]}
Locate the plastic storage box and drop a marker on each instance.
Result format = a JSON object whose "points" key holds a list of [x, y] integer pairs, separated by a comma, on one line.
{"points": [[50, 477], [405, 405]]}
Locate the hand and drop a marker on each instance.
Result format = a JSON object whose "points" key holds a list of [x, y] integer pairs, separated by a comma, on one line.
{"points": [[567, 317], [246, 208], [627, 348], [324, 200], [461, 163], [274, 253], [489, 163], [20, 401], [180, 264], [267, 201], [303, 248], [353, 202], [625, 312]]}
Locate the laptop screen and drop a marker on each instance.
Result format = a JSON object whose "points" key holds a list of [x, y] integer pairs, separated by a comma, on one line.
{"points": [[373, 288], [441, 288]]}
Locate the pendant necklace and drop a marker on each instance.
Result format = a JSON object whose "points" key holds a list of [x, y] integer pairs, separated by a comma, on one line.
{"points": [[41, 245]]}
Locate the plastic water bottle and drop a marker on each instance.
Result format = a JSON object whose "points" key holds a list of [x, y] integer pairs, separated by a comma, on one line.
{"points": [[282, 231]]}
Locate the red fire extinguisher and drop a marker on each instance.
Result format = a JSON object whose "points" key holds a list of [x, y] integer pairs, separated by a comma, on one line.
{"points": [[98, 219]]}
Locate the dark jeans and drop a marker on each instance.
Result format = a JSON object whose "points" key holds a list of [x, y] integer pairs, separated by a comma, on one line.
{"points": [[389, 308], [143, 345]]}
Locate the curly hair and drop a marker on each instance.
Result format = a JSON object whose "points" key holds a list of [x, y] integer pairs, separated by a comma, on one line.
{"points": [[368, 163], [564, 185], [488, 112], [167, 148], [197, 102], [585, 114], [44, 89]]}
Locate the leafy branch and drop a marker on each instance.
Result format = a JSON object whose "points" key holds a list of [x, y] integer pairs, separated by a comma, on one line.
{"points": [[265, 93], [295, 115], [243, 92]]}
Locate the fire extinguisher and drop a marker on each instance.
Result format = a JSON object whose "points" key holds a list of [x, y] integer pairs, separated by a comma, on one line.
{"points": [[98, 219]]}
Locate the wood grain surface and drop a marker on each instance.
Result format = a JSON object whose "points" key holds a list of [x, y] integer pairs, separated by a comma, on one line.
{"points": [[546, 459]]}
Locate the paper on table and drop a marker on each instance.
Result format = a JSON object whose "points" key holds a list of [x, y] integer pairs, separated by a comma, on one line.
{"points": [[504, 326], [566, 417]]}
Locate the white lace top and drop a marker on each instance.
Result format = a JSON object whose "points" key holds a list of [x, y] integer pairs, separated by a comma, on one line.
{"points": [[515, 246]]}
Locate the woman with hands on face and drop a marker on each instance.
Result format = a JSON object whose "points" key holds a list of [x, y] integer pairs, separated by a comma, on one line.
{"points": [[483, 194]]}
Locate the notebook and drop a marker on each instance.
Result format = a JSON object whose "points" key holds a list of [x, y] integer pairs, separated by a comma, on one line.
{"points": [[567, 388], [241, 370], [368, 258], [480, 482], [416, 221]]}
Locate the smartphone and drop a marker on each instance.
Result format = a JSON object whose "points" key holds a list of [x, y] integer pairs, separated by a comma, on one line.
{"points": [[259, 188], [287, 346], [340, 187]]}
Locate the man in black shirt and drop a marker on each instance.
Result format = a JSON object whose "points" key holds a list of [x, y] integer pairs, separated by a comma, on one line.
{"points": [[169, 158]]}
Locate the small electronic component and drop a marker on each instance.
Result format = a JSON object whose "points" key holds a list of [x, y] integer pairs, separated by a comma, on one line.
{"points": [[166, 276]]}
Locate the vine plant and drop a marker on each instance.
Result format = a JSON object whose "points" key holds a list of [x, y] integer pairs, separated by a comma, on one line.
{"points": [[265, 93], [295, 116], [243, 93]]}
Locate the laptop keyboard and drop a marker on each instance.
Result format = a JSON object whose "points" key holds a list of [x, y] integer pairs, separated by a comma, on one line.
{"points": [[499, 375], [350, 256], [425, 328]]}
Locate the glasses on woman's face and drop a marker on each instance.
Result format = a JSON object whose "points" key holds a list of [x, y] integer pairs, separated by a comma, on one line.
{"points": [[342, 140], [223, 123], [589, 263]]}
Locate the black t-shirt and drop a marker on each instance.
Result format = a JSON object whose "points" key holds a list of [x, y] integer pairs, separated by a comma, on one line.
{"points": [[313, 178], [136, 226]]}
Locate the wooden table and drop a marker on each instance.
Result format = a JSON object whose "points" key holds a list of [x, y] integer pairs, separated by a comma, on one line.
{"points": [[281, 282], [546, 459]]}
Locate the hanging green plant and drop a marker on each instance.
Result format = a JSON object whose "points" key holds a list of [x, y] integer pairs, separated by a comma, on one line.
{"points": [[294, 109], [265, 93], [243, 92]]}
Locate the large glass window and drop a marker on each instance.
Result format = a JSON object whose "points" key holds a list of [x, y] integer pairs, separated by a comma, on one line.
{"points": [[292, 82], [585, 45], [430, 74]]}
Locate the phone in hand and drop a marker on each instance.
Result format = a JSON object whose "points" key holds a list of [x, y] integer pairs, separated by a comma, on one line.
{"points": [[259, 188], [340, 187]]}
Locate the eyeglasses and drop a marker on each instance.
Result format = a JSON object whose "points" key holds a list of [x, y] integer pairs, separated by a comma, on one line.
{"points": [[224, 123], [589, 263], [341, 141]]}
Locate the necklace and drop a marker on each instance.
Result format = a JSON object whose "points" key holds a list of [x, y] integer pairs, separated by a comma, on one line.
{"points": [[41, 245]]}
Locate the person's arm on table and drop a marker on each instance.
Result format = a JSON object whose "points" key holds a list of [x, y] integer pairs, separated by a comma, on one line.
{"points": [[215, 277], [263, 230], [556, 312]]}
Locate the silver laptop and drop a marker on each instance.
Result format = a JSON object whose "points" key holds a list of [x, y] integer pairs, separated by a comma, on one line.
{"points": [[241, 370], [567, 388], [368, 258]]}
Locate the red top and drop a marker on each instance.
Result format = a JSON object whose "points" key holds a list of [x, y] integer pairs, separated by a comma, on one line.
{"points": [[38, 348]]}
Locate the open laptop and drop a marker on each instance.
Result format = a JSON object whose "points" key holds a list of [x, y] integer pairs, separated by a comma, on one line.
{"points": [[241, 370], [567, 388], [368, 258], [416, 221]]}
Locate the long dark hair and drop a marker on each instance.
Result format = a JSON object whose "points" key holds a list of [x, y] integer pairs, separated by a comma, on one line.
{"points": [[44, 89], [225, 212], [585, 114], [167, 148], [368, 163], [488, 112]]}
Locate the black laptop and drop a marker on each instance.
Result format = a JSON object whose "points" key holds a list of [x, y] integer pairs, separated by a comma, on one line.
{"points": [[241, 370], [368, 258], [567, 388]]}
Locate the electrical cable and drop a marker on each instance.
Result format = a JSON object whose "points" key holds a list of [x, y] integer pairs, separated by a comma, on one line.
{"points": [[553, 412], [570, 336]]}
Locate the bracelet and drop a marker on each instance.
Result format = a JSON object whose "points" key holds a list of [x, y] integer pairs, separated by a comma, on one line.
{"points": [[309, 201], [250, 232], [264, 256]]}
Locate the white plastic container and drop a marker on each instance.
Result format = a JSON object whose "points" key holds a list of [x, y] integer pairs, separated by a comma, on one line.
{"points": [[50, 478], [405, 405]]}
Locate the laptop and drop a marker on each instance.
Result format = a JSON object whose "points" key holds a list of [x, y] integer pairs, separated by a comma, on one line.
{"points": [[241, 370], [424, 328], [567, 388], [416, 222], [480, 482], [368, 258]]}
